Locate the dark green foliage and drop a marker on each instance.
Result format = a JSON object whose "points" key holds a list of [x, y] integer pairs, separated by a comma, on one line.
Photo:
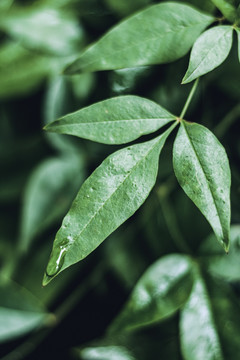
{"points": [[142, 269]]}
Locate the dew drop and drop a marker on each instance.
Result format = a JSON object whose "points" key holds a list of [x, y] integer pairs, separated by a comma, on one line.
{"points": [[57, 256]]}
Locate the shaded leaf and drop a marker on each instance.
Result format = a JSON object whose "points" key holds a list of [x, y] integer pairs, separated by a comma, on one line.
{"points": [[57, 103], [20, 312], [20, 70], [209, 51], [198, 332], [44, 29], [159, 293], [174, 28], [224, 266], [114, 191], [202, 169], [226, 312], [49, 193], [226, 8], [114, 121], [238, 35]]}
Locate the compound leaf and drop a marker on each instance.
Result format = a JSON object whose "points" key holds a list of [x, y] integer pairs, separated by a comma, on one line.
{"points": [[159, 293], [202, 169], [209, 51], [114, 121], [159, 34], [114, 191]]}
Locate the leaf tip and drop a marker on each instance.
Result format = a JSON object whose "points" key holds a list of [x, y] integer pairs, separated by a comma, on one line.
{"points": [[46, 279], [185, 80]]}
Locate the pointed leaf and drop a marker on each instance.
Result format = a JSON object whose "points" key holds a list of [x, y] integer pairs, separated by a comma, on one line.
{"points": [[114, 121], [202, 169], [159, 34], [198, 333], [209, 51], [238, 35], [115, 190], [20, 312], [49, 193], [219, 264], [159, 293]]}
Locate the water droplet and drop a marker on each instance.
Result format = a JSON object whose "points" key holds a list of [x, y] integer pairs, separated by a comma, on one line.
{"points": [[57, 256]]}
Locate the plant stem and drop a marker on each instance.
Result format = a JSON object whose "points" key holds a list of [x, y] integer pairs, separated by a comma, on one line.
{"points": [[171, 222], [190, 96]]}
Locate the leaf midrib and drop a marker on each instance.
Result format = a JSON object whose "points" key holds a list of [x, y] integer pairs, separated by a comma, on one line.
{"points": [[107, 200], [208, 184], [108, 121], [89, 50], [209, 51]]}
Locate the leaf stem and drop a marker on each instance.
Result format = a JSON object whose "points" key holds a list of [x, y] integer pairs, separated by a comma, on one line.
{"points": [[189, 99], [171, 221]]}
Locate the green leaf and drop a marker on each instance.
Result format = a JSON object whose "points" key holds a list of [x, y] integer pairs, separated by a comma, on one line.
{"points": [[209, 51], [43, 29], [202, 169], [114, 191], [227, 9], [198, 333], [159, 34], [20, 312], [106, 353], [159, 293], [238, 35], [226, 312], [114, 121], [20, 70], [49, 193], [221, 265]]}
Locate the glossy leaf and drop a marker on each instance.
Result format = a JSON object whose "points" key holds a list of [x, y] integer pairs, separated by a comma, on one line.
{"points": [[221, 265], [44, 29], [20, 312], [49, 193], [209, 51], [114, 121], [114, 191], [202, 169], [198, 332], [174, 28], [159, 293], [226, 8], [238, 35], [106, 353]]}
